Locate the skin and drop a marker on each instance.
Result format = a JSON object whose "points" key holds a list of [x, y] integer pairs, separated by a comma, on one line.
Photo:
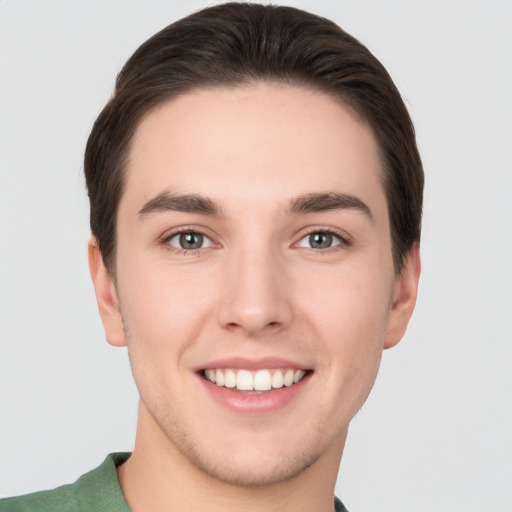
{"points": [[257, 288]]}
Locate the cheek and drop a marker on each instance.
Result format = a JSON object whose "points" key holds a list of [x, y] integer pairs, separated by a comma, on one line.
{"points": [[350, 315], [352, 299], [163, 311], [165, 305]]}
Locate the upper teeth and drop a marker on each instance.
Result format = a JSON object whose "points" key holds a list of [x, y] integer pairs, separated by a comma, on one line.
{"points": [[262, 380]]}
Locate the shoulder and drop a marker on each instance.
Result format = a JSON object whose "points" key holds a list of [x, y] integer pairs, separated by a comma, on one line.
{"points": [[97, 490], [59, 500], [338, 505]]}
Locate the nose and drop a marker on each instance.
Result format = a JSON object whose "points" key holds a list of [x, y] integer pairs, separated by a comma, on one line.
{"points": [[255, 297]]}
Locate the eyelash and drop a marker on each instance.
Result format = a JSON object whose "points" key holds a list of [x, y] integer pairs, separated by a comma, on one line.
{"points": [[343, 241], [180, 251], [341, 236]]}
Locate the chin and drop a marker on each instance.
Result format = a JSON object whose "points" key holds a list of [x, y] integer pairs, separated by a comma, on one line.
{"points": [[243, 471], [244, 460]]}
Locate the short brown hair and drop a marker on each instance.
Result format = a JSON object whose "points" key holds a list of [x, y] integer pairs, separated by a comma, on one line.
{"points": [[238, 43]]}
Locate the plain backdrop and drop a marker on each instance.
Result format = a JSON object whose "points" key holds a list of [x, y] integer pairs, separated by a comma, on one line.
{"points": [[436, 433]]}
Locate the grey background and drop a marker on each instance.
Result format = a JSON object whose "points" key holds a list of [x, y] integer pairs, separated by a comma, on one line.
{"points": [[435, 434]]}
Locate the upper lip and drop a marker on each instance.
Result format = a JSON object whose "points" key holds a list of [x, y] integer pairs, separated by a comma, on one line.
{"points": [[242, 363]]}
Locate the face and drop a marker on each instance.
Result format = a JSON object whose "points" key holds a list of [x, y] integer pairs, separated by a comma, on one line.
{"points": [[254, 287]]}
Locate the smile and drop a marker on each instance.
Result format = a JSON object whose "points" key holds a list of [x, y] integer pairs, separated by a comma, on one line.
{"points": [[261, 380]]}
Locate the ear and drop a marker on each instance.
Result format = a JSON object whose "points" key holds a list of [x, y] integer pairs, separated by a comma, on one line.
{"points": [[404, 297], [106, 296]]}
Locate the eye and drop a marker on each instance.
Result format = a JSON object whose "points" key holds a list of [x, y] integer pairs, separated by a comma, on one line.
{"points": [[320, 240], [189, 241]]}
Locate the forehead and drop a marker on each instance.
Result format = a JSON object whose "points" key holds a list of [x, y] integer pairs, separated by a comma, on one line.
{"points": [[251, 144]]}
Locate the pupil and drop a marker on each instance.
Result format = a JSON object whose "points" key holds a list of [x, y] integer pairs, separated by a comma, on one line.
{"points": [[320, 240], [191, 240]]}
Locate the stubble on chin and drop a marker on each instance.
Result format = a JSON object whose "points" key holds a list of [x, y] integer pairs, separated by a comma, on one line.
{"points": [[234, 468]]}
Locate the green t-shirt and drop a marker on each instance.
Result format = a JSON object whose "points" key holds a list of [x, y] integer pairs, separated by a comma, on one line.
{"points": [[96, 491]]}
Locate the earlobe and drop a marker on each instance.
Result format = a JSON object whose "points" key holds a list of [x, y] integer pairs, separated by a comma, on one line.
{"points": [[404, 298], [106, 296]]}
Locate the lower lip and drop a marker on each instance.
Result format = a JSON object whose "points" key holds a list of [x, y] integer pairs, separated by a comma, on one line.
{"points": [[265, 402]]}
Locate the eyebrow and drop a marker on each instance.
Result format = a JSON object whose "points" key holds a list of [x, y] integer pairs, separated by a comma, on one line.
{"points": [[320, 202], [308, 203], [187, 203]]}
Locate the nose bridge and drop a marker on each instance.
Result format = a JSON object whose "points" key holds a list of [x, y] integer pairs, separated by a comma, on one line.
{"points": [[254, 298]]}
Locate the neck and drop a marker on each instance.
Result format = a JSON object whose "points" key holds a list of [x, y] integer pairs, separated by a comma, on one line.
{"points": [[158, 477]]}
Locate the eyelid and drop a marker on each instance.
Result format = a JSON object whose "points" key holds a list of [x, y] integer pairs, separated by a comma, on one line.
{"points": [[345, 240], [171, 233]]}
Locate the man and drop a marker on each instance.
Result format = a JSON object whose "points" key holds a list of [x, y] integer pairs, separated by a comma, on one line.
{"points": [[256, 193]]}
